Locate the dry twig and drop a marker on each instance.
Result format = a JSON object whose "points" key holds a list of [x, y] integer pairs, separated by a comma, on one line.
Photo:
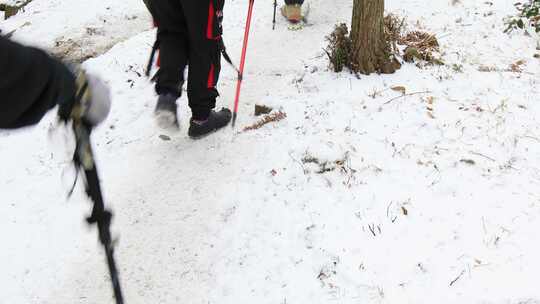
{"points": [[405, 95], [276, 116], [457, 278]]}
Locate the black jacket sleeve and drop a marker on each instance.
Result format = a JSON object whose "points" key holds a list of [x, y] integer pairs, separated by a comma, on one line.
{"points": [[31, 83]]}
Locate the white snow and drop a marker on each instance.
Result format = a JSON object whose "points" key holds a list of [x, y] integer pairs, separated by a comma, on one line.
{"points": [[425, 209], [78, 29]]}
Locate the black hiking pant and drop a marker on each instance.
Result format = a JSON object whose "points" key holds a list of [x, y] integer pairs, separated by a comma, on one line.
{"points": [[294, 2], [189, 34], [31, 83]]}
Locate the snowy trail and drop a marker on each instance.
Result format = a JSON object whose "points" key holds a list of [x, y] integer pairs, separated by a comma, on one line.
{"points": [[78, 30], [423, 210]]}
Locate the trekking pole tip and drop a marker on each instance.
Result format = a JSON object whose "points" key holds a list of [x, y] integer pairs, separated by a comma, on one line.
{"points": [[234, 119]]}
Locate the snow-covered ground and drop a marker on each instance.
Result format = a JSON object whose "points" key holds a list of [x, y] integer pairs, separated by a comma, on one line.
{"points": [[77, 30], [434, 198]]}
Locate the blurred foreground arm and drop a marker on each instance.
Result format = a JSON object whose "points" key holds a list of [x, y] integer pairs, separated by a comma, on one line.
{"points": [[32, 83]]}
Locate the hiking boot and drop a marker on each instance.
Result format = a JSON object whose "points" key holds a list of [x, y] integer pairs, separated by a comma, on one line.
{"points": [[293, 12], [165, 112], [215, 121]]}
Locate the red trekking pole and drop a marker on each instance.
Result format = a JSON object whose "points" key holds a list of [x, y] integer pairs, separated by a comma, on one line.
{"points": [[242, 62]]}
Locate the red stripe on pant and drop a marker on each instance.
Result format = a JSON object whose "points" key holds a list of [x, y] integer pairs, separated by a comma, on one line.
{"points": [[210, 26], [211, 77]]}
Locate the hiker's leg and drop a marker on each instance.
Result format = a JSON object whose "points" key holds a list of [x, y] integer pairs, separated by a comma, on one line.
{"points": [[174, 45], [203, 18], [292, 10]]}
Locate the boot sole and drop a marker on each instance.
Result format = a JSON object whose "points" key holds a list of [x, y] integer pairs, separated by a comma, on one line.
{"points": [[204, 135], [195, 137]]}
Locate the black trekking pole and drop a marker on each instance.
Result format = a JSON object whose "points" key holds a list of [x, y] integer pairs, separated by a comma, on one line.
{"points": [[84, 160], [274, 21]]}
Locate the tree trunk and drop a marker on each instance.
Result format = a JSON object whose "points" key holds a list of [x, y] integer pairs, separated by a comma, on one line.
{"points": [[371, 51]]}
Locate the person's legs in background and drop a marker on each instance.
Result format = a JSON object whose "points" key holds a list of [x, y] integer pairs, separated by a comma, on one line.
{"points": [[292, 10], [174, 44]]}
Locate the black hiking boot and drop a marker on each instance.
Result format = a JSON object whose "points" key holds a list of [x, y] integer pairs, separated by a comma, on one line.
{"points": [[165, 112], [215, 121]]}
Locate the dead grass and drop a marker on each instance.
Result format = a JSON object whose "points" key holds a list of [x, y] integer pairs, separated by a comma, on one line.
{"points": [[339, 48], [328, 166], [394, 27], [419, 40], [517, 67], [420, 46]]}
